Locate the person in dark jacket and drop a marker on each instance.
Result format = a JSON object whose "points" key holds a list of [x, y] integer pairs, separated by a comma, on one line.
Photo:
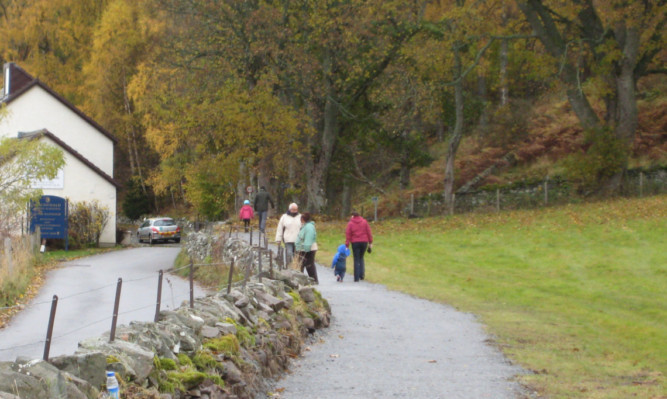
{"points": [[339, 262], [358, 233], [261, 205]]}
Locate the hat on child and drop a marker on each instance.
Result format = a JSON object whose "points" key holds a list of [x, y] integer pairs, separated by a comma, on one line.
{"points": [[246, 202]]}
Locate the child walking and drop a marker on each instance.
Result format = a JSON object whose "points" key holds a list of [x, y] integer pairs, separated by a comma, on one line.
{"points": [[246, 214], [339, 262]]}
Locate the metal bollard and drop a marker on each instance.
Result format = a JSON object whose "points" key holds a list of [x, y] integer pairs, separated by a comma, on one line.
{"points": [[114, 319], [49, 330], [159, 296]]}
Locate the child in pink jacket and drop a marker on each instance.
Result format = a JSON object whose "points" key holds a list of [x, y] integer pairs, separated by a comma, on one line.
{"points": [[246, 214]]}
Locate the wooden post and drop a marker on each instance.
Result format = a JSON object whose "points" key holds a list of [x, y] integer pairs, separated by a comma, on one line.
{"points": [[49, 330], [231, 275], [8, 256], [641, 184], [412, 204], [546, 191], [259, 264], [114, 319], [271, 264], [251, 236], [159, 296], [192, 288], [497, 200]]}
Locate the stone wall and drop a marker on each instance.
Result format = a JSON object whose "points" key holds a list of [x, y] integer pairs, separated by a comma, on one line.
{"points": [[227, 346]]}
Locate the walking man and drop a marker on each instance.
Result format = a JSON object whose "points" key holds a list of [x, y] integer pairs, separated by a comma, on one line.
{"points": [[288, 229], [261, 205]]}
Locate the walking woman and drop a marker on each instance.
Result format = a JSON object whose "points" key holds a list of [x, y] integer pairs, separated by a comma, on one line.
{"points": [[358, 233], [306, 246], [288, 229]]}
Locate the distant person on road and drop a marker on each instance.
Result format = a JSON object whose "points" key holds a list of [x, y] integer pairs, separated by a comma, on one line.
{"points": [[339, 263], [261, 205], [246, 214], [358, 233], [288, 229], [306, 246]]}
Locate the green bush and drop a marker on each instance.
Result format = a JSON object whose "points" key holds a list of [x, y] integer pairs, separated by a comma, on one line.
{"points": [[86, 222], [604, 156], [136, 203]]}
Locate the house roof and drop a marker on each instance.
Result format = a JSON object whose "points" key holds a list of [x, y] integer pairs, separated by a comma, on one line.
{"points": [[45, 133], [21, 81]]}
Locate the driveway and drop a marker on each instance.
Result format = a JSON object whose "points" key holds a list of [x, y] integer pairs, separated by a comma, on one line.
{"points": [[86, 290]]}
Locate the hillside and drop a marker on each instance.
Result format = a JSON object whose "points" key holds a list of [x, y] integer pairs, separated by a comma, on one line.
{"points": [[550, 133]]}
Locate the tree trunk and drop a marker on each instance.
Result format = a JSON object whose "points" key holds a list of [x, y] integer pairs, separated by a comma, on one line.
{"points": [[346, 199], [626, 114], [504, 90], [318, 162], [455, 138]]}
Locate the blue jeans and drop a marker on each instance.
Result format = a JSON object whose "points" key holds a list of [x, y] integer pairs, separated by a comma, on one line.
{"points": [[289, 252], [262, 220], [358, 250]]}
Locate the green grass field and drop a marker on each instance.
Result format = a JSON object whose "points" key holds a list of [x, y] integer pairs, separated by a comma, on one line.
{"points": [[576, 294]]}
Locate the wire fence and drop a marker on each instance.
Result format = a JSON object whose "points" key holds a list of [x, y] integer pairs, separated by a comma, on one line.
{"points": [[531, 194], [254, 265]]}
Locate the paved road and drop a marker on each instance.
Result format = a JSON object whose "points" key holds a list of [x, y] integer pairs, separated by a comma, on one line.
{"points": [[86, 289], [384, 344]]}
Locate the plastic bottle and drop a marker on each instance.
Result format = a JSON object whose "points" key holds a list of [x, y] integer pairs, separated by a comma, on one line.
{"points": [[112, 385]]}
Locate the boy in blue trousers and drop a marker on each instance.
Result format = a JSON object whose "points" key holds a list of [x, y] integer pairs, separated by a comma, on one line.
{"points": [[339, 262]]}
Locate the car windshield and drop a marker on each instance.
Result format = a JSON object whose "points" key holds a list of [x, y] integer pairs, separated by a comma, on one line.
{"points": [[164, 222]]}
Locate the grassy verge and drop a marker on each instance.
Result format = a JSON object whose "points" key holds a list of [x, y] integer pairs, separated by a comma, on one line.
{"points": [[576, 294]]}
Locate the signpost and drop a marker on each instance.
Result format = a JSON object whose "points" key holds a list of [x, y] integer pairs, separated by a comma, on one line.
{"points": [[51, 216]]}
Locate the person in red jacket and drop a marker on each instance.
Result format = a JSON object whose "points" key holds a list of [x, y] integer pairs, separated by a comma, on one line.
{"points": [[358, 233], [246, 214]]}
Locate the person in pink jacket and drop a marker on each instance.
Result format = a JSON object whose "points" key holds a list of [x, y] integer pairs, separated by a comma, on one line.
{"points": [[358, 233], [246, 214]]}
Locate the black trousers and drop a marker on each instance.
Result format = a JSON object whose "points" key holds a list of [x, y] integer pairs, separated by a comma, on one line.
{"points": [[358, 251], [307, 261]]}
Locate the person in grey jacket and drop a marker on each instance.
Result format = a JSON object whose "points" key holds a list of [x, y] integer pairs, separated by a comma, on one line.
{"points": [[261, 205]]}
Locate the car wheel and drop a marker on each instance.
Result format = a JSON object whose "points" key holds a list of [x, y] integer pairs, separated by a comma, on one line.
{"points": [[138, 238]]}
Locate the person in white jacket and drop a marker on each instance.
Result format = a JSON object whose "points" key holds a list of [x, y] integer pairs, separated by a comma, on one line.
{"points": [[288, 229]]}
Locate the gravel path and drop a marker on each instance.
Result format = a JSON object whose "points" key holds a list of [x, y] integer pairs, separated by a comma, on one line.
{"points": [[385, 344]]}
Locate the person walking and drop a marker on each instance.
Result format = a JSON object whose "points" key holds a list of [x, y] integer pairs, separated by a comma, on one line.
{"points": [[288, 229], [246, 214], [358, 233], [306, 246], [261, 205]]}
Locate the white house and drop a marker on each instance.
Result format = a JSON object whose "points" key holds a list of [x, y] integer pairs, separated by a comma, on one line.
{"points": [[35, 111]]}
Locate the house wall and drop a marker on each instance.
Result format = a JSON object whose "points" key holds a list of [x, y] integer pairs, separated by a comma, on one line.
{"points": [[37, 109], [83, 184]]}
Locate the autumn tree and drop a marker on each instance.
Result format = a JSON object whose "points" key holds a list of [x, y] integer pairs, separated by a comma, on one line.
{"points": [[120, 42], [612, 44]]}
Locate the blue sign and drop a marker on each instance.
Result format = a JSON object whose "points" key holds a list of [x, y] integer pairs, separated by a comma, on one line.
{"points": [[50, 215]]}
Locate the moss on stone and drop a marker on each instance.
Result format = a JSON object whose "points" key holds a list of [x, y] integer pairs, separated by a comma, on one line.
{"points": [[166, 364], [227, 344], [112, 359], [203, 360], [184, 360], [187, 379], [245, 338]]}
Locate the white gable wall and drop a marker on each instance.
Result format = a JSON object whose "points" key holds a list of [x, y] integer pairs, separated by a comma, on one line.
{"points": [[82, 184], [37, 109]]}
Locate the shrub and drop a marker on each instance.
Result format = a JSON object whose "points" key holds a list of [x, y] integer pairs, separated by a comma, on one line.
{"points": [[604, 156], [86, 222]]}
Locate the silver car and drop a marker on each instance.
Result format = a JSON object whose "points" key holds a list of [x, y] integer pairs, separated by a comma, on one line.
{"points": [[159, 229]]}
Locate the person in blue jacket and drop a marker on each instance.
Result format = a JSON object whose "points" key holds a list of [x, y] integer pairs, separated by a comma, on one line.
{"points": [[306, 246], [339, 262]]}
